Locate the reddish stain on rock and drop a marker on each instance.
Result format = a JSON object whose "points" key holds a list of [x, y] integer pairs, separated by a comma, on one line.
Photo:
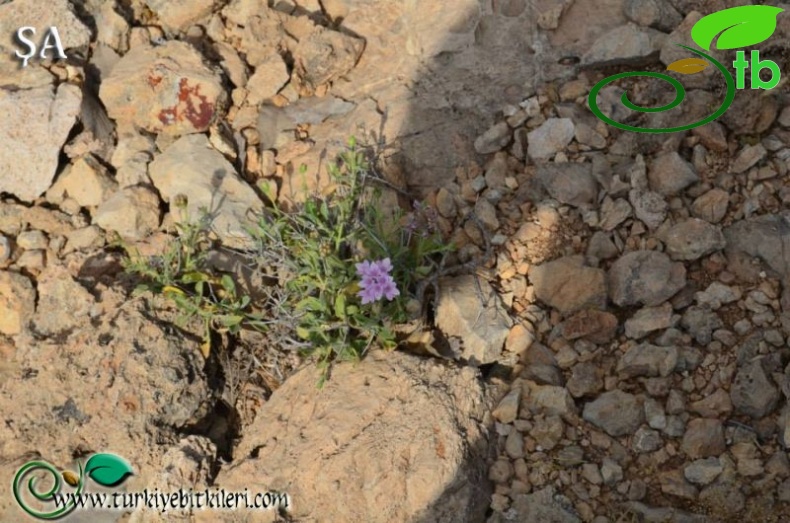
{"points": [[192, 106], [154, 80]]}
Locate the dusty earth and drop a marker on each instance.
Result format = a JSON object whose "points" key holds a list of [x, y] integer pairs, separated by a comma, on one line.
{"points": [[620, 349]]}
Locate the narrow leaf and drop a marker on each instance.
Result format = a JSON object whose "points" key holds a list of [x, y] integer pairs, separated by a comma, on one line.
{"points": [[737, 27], [688, 65], [107, 469]]}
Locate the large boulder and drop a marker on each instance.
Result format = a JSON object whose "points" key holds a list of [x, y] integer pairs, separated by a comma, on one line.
{"points": [[393, 438]]}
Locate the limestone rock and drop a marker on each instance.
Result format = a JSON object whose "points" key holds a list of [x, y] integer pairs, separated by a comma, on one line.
{"points": [[670, 174], [269, 77], [625, 42], [120, 384], [648, 360], [421, 409], [645, 277], [766, 238], [190, 167], [17, 302], [647, 320], [164, 89], [85, 181], [753, 393], [616, 412], [550, 138], [35, 126], [703, 438], [567, 285], [569, 183], [482, 326], [178, 15], [133, 213], [649, 206], [324, 56], [692, 239], [62, 303], [711, 206]]}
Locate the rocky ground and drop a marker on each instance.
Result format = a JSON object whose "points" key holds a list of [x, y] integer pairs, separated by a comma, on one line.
{"points": [[622, 346]]}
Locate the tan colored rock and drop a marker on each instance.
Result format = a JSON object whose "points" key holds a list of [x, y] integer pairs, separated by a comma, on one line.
{"points": [[568, 286], [86, 181], [17, 302], [481, 325], [414, 451], [190, 167], [178, 15], [324, 56], [35, 124], [703, 438], [165, 89], [117, 385], [590, 324], [132, 212], [269, 77], [62, 303]]}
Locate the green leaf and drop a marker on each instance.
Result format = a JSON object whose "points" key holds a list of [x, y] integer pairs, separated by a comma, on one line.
{"points": [[231, 321], [737, 27], [108, 469], [228, 285], [194, 277], [340, 306]]}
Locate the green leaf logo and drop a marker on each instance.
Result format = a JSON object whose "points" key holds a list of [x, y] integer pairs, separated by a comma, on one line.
{"points": [[107, 469], [738, 27]]}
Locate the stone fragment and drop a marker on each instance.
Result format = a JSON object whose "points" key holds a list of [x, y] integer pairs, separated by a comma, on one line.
{"points": [[647, 320], [286, 448], [165, 89], [592, 325], [645, 277], [703, 438], [569, 183], [568, 286], [35, 125], [622, 43], [692, 239], [190, 167], [752, 392], [616, 412], [748, 157], [269, 77], [494, 139], [703, 471], [85, 181], [178, 15], [17, 302], [550, 138], [669, 174], [62, 303], [133, 213], [648, 360]]}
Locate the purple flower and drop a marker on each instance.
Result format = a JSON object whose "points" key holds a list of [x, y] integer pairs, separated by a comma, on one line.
{"points": [[376, 281]]}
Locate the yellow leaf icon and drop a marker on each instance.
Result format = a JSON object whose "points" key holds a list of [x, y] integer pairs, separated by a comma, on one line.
{"points": [[71, 478], [688, 65]]}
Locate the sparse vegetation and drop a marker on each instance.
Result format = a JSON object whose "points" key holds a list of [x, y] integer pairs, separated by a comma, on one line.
{"points": [[338, 272]]}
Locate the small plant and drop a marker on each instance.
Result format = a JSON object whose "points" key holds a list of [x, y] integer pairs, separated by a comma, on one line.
{"points": [[342, 272], [345, 267], [182, 275]]}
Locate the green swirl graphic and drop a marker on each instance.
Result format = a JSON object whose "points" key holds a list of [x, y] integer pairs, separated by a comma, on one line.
{"points": [[680, 94], [46, 496]]}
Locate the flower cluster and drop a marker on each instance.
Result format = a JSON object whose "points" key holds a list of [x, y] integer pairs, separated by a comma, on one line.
{"points": [[376, 281]]}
